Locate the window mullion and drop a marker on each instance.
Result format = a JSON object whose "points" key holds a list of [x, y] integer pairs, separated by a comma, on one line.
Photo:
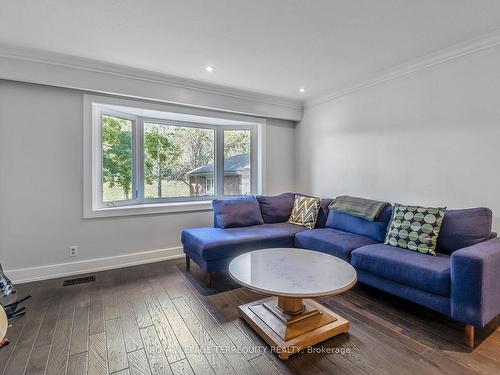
{"points": [[219, 161], [254, 161], [139, 160]]}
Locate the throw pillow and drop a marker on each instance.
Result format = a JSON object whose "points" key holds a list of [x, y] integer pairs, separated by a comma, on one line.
{"points": [[415, 228], [305, 211]]}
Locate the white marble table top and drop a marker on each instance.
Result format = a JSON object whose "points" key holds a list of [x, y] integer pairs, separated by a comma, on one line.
{"points": [[291, 272]]}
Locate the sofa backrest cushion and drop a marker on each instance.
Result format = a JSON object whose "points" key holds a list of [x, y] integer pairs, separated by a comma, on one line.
{"points": [[236, 212], [463, 228], [276, 208], [376, 230]]}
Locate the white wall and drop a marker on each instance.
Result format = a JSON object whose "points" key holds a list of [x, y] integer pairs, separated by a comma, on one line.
{"points": [[280, 156], [41, 189], [430, 138]]}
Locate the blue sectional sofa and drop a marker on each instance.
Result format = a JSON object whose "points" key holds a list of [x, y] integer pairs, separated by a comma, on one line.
{"points": [[462, 281]]}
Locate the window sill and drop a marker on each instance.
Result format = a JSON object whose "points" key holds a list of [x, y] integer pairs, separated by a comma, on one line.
{"points": [[147, 209]]}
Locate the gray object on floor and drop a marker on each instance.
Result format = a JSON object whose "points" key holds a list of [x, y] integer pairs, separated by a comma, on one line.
{"points": [[5, 284]]}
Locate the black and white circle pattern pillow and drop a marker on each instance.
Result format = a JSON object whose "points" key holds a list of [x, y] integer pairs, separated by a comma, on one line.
{"points": [[415, 228]]}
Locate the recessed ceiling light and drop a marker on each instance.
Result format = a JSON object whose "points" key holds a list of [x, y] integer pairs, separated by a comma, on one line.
{"points": [[209, 68], [302, 90]]}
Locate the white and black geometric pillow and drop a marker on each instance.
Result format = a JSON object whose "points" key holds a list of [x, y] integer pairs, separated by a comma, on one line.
{"points": [[415, 228], [305, 211]]}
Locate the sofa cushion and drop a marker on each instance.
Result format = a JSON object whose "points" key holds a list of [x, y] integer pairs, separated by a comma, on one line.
{"points": [[305, 211], [236, 212], [431, 274], [415, 228], [430, 300], [376, 230], [216, 243], [464, 228], [276, 208], [331, 241]]}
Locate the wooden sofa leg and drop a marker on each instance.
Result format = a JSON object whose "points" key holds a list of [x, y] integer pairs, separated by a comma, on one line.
{"points": [[469, 335], [210, 276], [188, 263]]}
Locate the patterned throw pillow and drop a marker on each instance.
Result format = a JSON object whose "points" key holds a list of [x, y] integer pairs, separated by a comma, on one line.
{"points": [[305, 211], [415, 228]]}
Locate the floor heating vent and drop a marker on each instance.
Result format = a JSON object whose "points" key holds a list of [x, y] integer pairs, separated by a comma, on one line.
{"points": [[79, 280]]}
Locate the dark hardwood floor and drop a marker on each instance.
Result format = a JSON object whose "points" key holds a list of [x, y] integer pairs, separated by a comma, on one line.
{"points": [[156, 319]]}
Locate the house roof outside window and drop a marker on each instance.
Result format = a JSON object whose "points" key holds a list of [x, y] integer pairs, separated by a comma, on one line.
{"points": [[232, 165]]}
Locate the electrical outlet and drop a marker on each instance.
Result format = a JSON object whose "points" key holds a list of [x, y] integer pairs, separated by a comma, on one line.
{"points": [[73, 251]]}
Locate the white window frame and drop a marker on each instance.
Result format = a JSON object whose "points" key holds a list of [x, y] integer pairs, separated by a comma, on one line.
{"points": [[96, 106]]}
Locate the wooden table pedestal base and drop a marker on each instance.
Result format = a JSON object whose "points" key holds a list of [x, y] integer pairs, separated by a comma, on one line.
{"points": [[290, 325]]}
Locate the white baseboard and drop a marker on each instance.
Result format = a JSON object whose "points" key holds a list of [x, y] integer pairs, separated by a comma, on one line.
{"points": [[25, 275]]}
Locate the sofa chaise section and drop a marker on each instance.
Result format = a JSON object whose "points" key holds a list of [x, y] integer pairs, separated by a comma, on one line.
{"points": [[242, 224], [215, 247]]}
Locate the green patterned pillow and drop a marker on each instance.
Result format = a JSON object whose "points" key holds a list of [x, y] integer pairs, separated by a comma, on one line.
{"points": [[415, 228], [305, 211]]}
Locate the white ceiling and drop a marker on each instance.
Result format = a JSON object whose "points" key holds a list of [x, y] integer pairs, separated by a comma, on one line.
{"points": [[267, 46]]}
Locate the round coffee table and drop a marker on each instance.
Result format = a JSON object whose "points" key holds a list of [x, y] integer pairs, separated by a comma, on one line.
{"points": [[291, 321]]}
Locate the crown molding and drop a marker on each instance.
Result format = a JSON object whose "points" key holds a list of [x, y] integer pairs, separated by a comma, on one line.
{"points": [[443, 56], [33, 66], [52, 69]]}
